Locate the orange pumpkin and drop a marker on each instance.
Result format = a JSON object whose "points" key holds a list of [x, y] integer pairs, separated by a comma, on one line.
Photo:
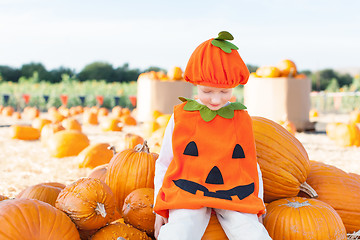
{"points": [[32, 219], [67, 143], [49, 130], [283, 160], [2, 197], [90, 118], [103, 112], [71, 124], [99, 172], [214, 230], [175, 73], [95, 155], [268, 72], [119, 231], [346, 135], [128, 120], [116, 111], [138, 210], [340, 190], [288, 125], [313, 113], [89, 203], [129, 170], [45, 192], [24, 132], [355, 116], [330, 129], [7, 111], [111, 124], [287, 68], [302, 219], [131, 140], [16, 115], [39, 123], [163, 119]]}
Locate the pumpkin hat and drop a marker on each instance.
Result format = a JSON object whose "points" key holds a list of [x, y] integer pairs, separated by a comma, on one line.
{"points": [[217, 63]]}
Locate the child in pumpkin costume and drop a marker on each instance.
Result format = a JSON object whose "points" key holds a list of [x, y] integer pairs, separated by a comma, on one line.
{"points": [[208, 159]]}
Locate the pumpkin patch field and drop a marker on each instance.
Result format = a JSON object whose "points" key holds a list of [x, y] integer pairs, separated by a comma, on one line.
{"points": [[59, 159]]}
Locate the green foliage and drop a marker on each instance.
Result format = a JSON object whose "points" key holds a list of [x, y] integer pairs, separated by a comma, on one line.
{"points": [[252, 68], [321, 79], [97, 71], [9, 74], [333, 86], [355, 85]]}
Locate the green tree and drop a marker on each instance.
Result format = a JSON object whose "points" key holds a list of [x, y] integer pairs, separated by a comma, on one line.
{"points": [[28, 70], [252, 68], [333, 86], [125, 74], [156, 69], [10, 74], [55, 75], [97, 71]]}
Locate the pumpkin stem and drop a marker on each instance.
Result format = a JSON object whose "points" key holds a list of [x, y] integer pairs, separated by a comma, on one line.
{"points": [[308, 190], [100, 209], [142, 147], [113, 149]]}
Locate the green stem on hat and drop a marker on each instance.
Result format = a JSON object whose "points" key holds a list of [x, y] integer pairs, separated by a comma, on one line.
{"points": [[221, 42]]}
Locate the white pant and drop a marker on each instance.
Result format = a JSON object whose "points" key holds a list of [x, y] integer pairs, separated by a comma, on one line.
{"points": [[189, 224]]}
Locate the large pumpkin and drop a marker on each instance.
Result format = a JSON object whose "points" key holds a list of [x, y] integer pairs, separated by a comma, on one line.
{"points": [[71, 124], [283, 160], [119, 231], [94, 155], [30, 219], [340, 190], [129, 170], [303, 219], [347, 135], [89, 203], [45, 192], [268, 72], [138, 210], [24, 132], [67, 143]]}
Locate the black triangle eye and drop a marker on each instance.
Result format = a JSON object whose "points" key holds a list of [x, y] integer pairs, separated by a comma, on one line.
{"points": [[238, 152], [191, 149]]}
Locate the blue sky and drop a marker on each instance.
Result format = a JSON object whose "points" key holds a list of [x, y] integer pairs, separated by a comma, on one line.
{"points": [[73, 33]]}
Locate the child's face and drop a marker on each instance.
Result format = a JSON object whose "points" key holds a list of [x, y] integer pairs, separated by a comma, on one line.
{"points": [[214, 98]]}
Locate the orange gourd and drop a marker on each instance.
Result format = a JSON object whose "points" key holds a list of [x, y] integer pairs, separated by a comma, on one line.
{"points": [[128, 120], [45, 192], [119, 231], [355, 116], [95, 155], [283, 160], [303, 219], [90, 118], [49, 130], [130, 169], [67, 143], [2, 197], [32, 219], [89, 203], [340, 190], [346, 135], [138, 210], [7, 111], [287, 68], [24, 132]]}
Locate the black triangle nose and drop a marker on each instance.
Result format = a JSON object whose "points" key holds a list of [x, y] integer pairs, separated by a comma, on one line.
{"points": [[215, 176]]}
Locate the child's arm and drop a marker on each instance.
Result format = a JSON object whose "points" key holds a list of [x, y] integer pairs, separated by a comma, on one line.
{"points": [[165, 157], [159, 221]]}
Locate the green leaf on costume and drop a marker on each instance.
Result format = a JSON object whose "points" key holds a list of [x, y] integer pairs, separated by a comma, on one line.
{"points": [[224, 45], [207, 115], [224, 35]]}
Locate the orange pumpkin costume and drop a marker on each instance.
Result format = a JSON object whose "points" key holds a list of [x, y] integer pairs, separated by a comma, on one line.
{"points": [[212, 166]]}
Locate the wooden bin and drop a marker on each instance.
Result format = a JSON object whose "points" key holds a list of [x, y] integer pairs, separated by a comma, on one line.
{"points": [[280, 99], [159, 95]]}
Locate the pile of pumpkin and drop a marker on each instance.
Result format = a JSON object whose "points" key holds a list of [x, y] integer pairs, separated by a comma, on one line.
{"points": [[174, 74], [284, 68], [304, 199], [345, 134]]}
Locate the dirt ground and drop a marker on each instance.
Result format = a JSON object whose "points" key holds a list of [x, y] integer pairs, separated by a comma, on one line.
{"points": [[25, 163]]}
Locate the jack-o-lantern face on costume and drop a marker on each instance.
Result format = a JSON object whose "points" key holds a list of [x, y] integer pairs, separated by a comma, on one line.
{"points": [[215, 177]]}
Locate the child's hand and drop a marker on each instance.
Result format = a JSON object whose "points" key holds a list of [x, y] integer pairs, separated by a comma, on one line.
{"points": [[159, 221]]}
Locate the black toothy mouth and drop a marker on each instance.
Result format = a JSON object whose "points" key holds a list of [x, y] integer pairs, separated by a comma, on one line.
{"points": [[242, 191]]}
